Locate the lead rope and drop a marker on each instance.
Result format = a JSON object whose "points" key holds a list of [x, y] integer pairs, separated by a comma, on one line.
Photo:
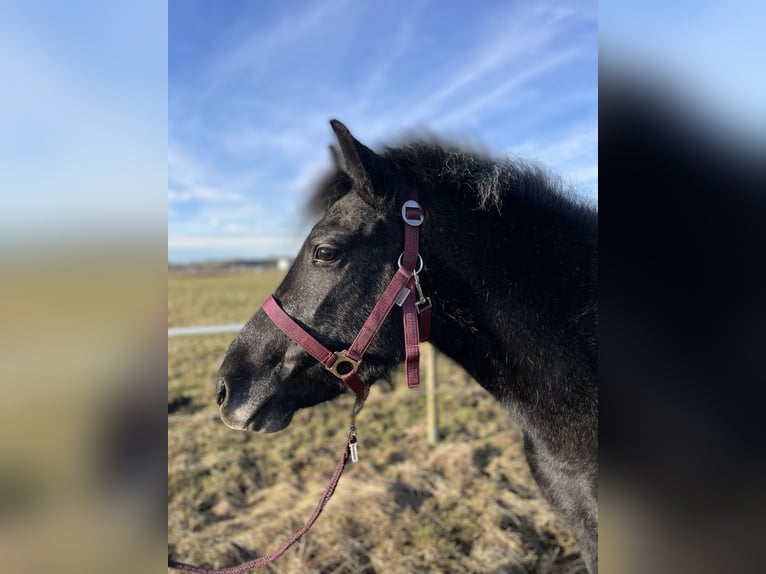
{"points": [[348, 450]]}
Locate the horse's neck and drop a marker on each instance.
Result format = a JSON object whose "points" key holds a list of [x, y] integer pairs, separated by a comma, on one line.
{"points": [[514, 296]]}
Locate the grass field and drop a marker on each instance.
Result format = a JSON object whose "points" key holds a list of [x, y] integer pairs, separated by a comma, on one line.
{"points": [[465, 505]]}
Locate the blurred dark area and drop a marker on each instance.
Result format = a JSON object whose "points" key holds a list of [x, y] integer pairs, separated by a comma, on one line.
{"points": [[130, 452], [682, 337], [82, 424]]}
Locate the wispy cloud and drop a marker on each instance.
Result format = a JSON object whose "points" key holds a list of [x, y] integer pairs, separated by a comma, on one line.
{"points": [[253, 51], [513, 92], [568, 152], [518, 37], [256, 242], [204, 194]]}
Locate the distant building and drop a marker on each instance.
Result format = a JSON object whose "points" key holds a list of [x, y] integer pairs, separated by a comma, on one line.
{"points": [[280, 264]]}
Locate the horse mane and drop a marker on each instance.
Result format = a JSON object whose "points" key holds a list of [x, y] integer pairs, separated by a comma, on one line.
{"points": [[432, 163]]}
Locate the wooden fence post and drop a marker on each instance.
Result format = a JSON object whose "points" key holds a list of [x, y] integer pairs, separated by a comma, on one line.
{"points": [[432, 414]]}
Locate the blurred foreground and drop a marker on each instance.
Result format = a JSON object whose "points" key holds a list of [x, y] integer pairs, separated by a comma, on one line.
{"points": [[83, 386]]}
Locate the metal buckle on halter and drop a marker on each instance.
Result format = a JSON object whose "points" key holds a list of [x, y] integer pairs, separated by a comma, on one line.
{"points": [[422, 299], [353, 443], [424, 302], [412, 204], [340, 358]]}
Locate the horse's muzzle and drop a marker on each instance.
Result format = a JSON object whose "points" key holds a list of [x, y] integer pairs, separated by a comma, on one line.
{"points": [[240, 411], [235, 413]]}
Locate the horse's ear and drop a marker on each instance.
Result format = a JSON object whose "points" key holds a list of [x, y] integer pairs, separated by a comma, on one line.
{"points": [[365, 167], [337, 160]]}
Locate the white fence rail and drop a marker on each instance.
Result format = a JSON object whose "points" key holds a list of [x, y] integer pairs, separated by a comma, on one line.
{"points": [[203, 330]]}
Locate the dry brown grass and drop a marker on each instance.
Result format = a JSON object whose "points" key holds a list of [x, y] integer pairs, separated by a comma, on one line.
{"points": [[215, 298], [465, 505]]}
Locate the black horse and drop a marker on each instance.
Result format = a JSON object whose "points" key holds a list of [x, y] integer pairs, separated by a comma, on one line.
{"points": [[511, 267]]}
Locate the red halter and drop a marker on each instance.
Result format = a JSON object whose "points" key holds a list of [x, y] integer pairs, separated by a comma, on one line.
{"points": [[404, 290]]}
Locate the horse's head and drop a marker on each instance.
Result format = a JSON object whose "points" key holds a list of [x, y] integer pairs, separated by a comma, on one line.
{"points": [[341, 270]]}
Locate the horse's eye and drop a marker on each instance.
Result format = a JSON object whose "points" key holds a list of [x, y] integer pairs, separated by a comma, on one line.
{"points": [[325, 254]]}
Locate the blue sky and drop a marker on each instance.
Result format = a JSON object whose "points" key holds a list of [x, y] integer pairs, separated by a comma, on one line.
{"points": [[252, 85], [83, 116]]}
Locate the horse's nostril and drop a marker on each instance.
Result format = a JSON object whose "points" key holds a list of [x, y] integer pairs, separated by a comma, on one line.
{"points": [[220, 392]]}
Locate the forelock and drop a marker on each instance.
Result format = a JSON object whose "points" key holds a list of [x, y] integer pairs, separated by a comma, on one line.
{"points": [[328, 190]]}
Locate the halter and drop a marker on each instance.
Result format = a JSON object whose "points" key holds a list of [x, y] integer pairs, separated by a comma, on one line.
{"points": [[403, 290]]}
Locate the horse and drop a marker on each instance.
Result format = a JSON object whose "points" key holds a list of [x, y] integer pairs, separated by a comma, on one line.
{"points": [[510, 265]]}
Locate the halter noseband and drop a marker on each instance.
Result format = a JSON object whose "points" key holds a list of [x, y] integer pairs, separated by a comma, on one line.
{"points": [[403, 290]]}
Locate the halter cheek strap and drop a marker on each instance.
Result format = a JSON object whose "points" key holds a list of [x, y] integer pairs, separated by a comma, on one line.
{"points": [[404, 290]]}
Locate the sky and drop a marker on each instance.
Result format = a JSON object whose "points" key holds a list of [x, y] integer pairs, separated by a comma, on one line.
{"points": [[252, 87], [83, 123], [711, 54]]}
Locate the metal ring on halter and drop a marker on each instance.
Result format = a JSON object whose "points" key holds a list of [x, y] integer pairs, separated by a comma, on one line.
{"points": [[420, 263]]}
